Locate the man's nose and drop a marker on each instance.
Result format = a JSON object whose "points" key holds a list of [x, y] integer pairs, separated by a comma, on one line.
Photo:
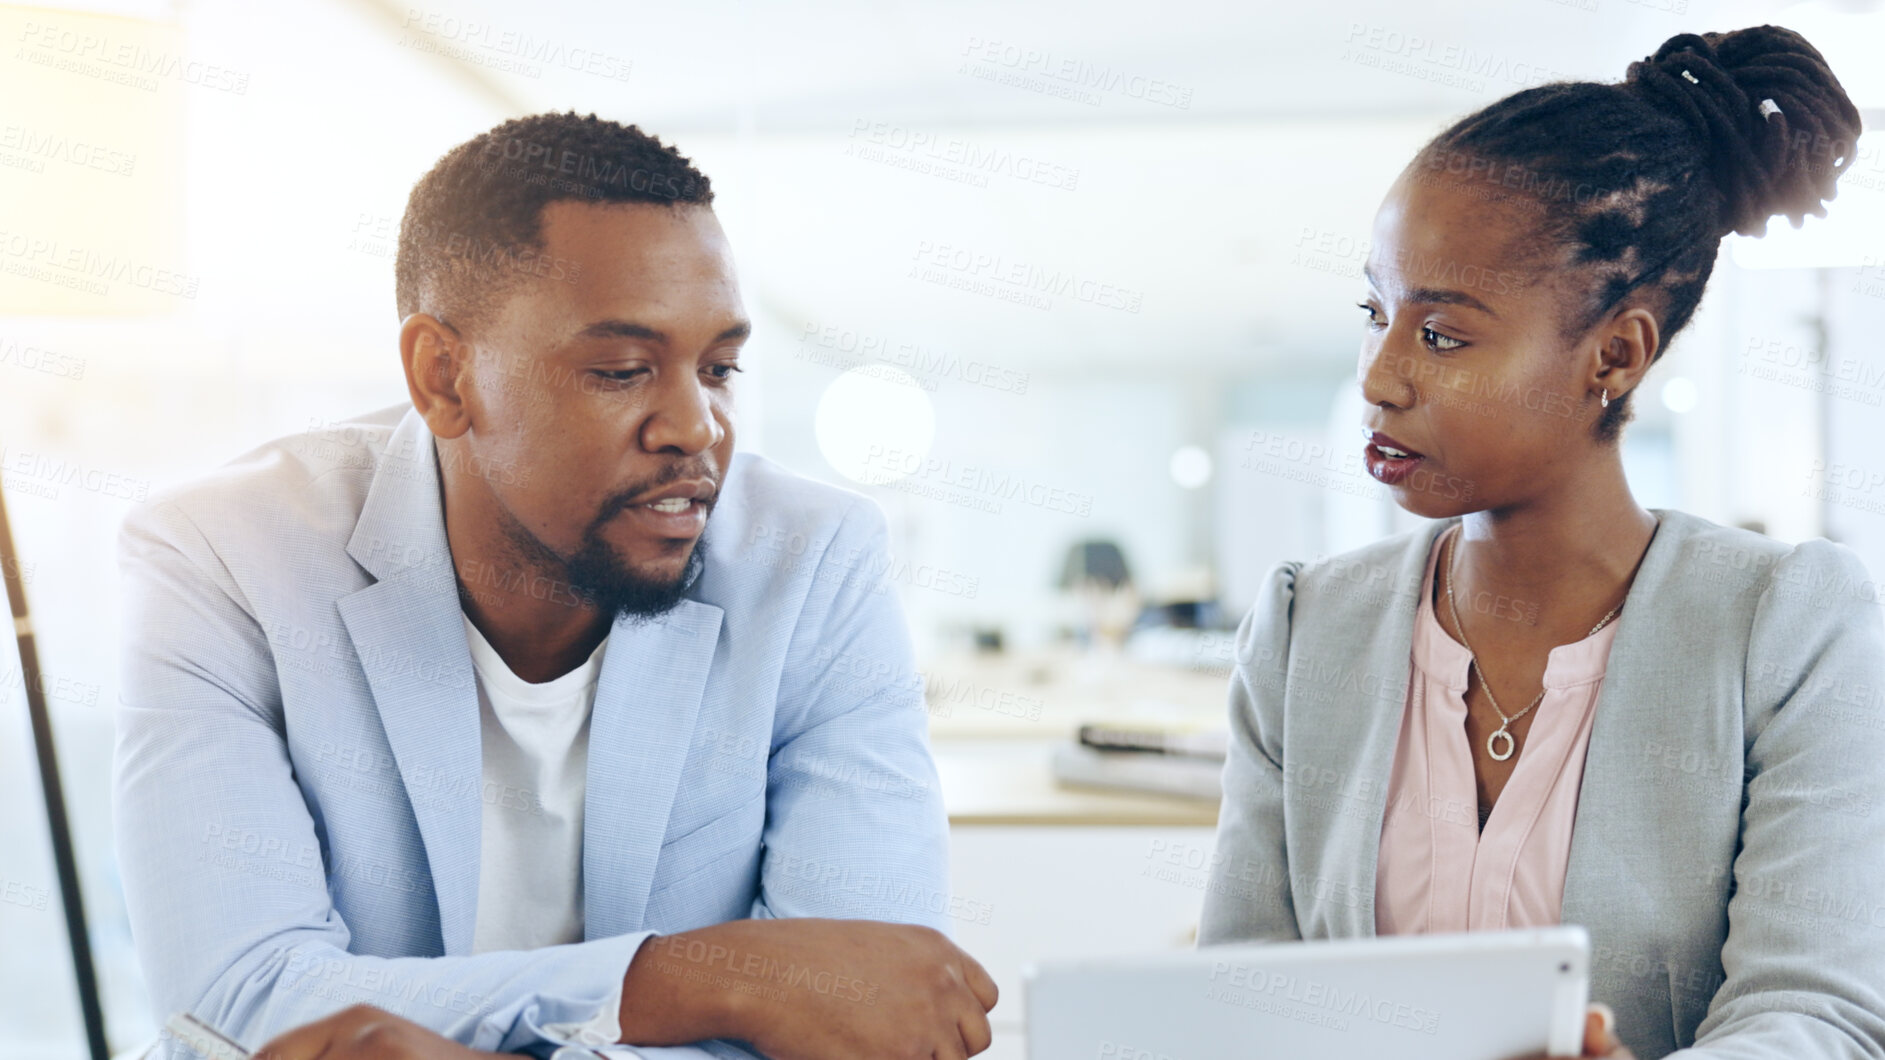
{"points": [[682, 420]]}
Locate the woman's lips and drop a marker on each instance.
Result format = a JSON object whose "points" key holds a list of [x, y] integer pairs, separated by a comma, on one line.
{"points": [[1389, 470], [1388, 460]]}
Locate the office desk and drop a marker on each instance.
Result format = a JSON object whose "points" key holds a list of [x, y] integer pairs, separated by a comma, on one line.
{"points": [[1007, 782], [1042, 870]]}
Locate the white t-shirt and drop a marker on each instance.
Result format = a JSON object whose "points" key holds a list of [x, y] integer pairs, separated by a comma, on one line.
{"points": [[536, 757], [535, 740]]}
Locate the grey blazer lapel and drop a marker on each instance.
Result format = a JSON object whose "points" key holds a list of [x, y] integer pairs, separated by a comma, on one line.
{"points": [[1350, 656], [1662, 748], [648, 697], [409, 636]]}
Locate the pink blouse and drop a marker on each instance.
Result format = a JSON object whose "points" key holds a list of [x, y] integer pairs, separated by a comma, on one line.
{"points": [[1437, 870]]}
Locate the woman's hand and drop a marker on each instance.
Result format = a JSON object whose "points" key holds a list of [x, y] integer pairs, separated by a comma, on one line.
{"points": [[362, 1032], [1600, 1038]]}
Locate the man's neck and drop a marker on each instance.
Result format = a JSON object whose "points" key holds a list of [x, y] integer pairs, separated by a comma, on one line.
{"points": [[535, 619], [536, 646]]}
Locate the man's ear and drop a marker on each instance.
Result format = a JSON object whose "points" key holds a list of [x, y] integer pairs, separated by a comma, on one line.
{"points": [[1626, 347], [435, 358]]}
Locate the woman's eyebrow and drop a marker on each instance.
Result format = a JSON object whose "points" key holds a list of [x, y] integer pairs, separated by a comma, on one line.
{"points": [[1435, 295]]}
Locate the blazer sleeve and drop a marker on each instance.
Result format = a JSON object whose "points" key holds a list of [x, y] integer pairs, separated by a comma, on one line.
{"points": [[855, 824], [1804, 960], [1247, 897], [224, 872]]}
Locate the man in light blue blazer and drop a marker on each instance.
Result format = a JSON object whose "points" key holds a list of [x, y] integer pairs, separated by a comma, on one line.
{"points": [[308, 796]]}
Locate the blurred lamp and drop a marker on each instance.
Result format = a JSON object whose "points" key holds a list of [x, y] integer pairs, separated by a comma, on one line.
{"points": [[1191, 467], [1679, 394], [874, 424]]}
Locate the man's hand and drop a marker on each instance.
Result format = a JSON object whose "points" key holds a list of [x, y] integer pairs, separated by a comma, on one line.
{"points": [[363, 1032], [810, 989]]}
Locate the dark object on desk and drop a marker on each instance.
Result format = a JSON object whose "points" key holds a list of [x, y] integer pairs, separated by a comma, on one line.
{"points": [[1185, 776], [76, 934], [1213, 744], [1099, 562], [1182, 614]]}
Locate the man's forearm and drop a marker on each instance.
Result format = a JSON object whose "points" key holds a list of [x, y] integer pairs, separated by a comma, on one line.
{"points": [[671, 1001]]}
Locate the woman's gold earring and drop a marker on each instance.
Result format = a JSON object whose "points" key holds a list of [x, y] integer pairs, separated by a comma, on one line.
{"points": [[1606, 398]]}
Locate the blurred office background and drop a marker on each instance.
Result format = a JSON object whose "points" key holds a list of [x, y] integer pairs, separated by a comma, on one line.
{"points": [[1087, 472]]}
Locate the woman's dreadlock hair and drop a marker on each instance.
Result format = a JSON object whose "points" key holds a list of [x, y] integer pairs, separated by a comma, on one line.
{"points": [[1714, 133]]}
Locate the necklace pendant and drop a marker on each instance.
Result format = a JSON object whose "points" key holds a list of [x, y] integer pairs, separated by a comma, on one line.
{"points": [[1492, 745]]}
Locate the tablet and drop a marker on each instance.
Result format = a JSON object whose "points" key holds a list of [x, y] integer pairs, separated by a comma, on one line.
{"points": [[1484, 995]]}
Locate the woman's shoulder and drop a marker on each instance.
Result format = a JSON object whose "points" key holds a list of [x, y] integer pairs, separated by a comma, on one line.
{"points": [[1730, 565], [1343, 602], [1369, 578]]}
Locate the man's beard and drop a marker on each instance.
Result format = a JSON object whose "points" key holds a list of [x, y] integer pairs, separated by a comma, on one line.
{"points": [[596, 572]]}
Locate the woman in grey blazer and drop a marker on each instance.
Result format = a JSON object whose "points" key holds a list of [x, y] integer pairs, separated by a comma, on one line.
{"points": [[1727, 845]]}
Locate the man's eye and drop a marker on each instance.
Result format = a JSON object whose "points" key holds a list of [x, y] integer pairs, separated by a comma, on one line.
{"points": [[723, 371], [619, 375], [1368, 309], [1439, 341]]}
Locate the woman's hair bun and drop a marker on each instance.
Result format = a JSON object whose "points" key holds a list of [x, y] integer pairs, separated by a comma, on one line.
{"points": [[1775, 126]]}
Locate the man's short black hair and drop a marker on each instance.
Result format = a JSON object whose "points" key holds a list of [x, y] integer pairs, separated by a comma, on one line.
{"points": [[473, 225]]}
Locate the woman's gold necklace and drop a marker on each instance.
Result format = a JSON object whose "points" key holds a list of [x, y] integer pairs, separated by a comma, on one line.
{"points": [[1492, 742]]}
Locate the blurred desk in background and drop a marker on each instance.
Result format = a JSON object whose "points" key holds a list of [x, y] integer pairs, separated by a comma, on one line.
{"points": [[1050, 694], [1041, 870], [1007, 782]]}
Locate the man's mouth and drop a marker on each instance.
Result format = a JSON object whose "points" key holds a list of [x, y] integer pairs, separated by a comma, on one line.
{"points": [[676, 510]]}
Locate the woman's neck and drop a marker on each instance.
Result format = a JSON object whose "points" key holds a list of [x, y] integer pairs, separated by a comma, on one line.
{"points": [[1578, 541]]}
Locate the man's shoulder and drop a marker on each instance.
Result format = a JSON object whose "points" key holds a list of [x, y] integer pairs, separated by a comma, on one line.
{"points": [[312, 482], [762, 499], [773, 527]]}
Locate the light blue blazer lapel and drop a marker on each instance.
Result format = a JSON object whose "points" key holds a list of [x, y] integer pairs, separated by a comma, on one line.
{"points": [[648, 697], [1349, 673], [409, 635]]}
